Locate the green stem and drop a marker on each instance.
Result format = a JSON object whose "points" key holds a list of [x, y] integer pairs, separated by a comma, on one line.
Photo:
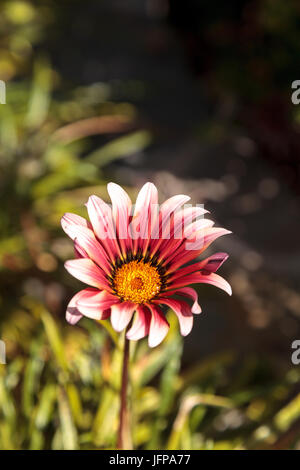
{"points": [[124, 434]]}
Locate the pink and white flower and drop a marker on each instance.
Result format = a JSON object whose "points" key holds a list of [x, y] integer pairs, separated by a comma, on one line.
{"points": [[136, 259]]}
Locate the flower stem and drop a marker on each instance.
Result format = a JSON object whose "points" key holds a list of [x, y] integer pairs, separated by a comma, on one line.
{"points": [[124, 434]]}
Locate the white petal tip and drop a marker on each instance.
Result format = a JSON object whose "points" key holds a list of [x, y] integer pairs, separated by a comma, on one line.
{"points": [[227, 289], [196, 310], [185, 333], [153, 342], [118, 328], [73, 319]]}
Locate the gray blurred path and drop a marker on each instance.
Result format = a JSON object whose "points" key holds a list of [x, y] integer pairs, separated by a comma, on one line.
{"points": [[198, 148]]}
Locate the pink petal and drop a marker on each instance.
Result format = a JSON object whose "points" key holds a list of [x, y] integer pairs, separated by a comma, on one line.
{"points": [[121, 205], [95, 304], [121, 315], [88, 247], [86, 271], [213, 263], [187, 292], [185, 217], [159, 326], [74, 225], [210, 264], [211, 234], [185, 255], [163, 228], [72, 314], [100, 215], [79, 252], [169, 207], [141, 325], [195, 278], [180, 222], [144, 217], [183, 312], [121, 209], [196, 228], [194, 237], [177, 248]]}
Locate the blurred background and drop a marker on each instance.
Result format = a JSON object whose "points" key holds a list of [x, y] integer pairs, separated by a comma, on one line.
{"points": [[196, 99]]}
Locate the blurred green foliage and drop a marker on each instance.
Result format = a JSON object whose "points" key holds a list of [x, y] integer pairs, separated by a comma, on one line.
{"points": [[61, 391]]}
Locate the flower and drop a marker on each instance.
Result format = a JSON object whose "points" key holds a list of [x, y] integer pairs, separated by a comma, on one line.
{"points": [[135, 259]]}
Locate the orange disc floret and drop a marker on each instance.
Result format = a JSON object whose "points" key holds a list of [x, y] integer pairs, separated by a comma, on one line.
{"points": [[137, 282]]}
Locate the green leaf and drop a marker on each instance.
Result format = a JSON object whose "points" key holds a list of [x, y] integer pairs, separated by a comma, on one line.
{"points": [[54, 339], [69, 436], [120, 148], [40, 95], [45, 407], [32, 374], [167, 390]]}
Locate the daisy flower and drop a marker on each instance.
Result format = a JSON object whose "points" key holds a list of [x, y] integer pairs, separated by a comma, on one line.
{"points": [[137, 259]]}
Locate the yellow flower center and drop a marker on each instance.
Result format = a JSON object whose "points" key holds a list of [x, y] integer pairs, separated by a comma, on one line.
{"points": [[137, 282]]}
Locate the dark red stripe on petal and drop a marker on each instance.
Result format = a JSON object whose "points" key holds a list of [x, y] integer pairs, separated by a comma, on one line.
{"points": [[95, 304], [85, 270], [186, 292], [183, 312], [121, 315], [141, 324]]}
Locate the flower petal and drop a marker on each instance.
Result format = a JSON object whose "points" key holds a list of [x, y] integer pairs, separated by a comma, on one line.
{"points": [[73, 225], [72, 313], [100, 215], [121, 315], [162, 230], [187, 253], [144, 217], [121, 209], [141, 324], [95, 304], [121, 204], [210, 264], [187, 292], [185, 217], [88, 247], [172, 204], [196, 278], [159, 326], [180, 225], [169, 207], [86, 271], [183, 312], [194, 236]]}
